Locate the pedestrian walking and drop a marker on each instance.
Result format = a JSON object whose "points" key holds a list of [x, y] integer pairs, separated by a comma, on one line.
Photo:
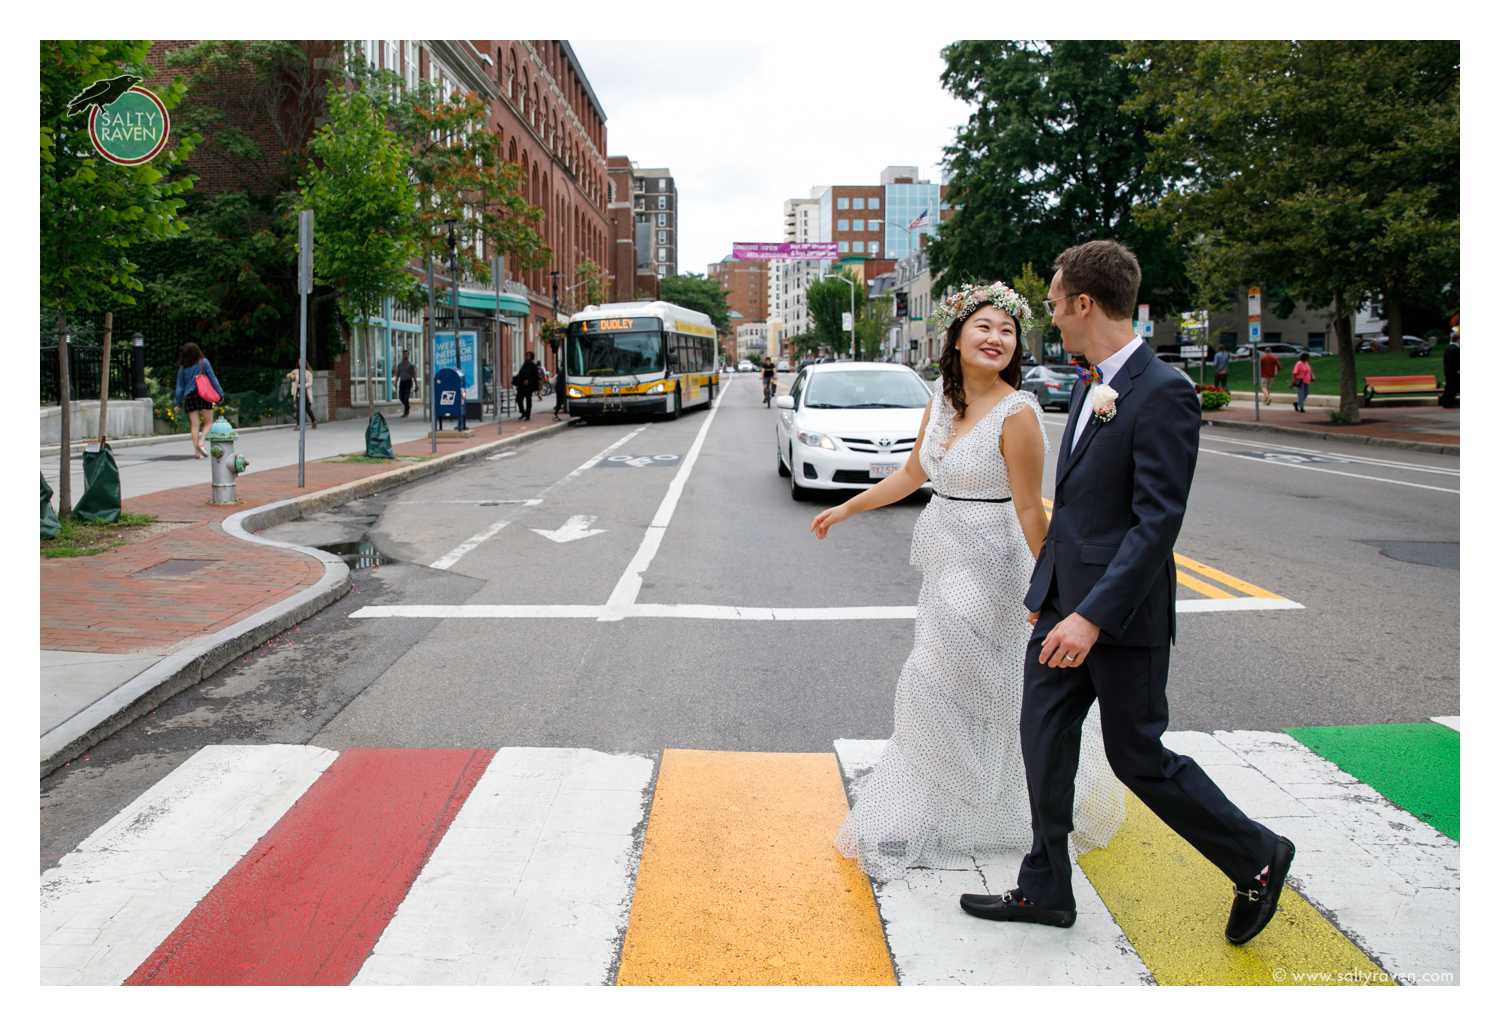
{"points": [[1302, 377], [560, 390], [526, 381], [1269, 368], [1449, 399], [197, 391], [406, 378], [1221, 367], [302, 393]]}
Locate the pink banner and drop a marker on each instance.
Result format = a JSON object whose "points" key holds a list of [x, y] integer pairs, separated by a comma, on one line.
{"points": [[786, 251]]}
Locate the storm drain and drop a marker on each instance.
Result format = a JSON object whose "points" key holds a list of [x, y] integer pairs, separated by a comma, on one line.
{"points": [[175, 568]]}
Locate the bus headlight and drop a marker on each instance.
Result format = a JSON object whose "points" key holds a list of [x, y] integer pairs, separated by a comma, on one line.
{"points": [[574, 392], [657, 389], [816, 440]]}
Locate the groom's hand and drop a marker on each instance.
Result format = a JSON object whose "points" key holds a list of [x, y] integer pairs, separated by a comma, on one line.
{"points": [[1068, 644]]}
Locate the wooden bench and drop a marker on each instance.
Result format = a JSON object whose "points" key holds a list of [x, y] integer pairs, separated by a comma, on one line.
{"points": [[1399, 385]]}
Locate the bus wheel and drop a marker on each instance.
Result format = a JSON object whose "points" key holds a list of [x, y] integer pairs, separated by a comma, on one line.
{"points": [[674, 405]]}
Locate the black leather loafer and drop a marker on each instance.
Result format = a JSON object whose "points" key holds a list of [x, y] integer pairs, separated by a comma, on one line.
{"points": [[1013, 907], [1255, 902]]}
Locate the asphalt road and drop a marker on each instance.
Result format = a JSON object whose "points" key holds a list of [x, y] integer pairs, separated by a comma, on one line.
{"points": [[1365, 540]]}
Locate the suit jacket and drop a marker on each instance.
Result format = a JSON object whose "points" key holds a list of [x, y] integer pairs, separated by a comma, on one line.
{"points": [[1118, 504]]}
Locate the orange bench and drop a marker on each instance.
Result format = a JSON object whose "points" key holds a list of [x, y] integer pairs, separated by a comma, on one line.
{"points": [[1400, 385]]}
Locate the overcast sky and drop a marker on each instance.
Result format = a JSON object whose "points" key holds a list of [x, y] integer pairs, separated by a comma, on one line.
{"points": [[746, 126]]}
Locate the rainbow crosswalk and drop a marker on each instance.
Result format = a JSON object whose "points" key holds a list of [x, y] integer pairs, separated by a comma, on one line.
{"points": [[287, 864]]}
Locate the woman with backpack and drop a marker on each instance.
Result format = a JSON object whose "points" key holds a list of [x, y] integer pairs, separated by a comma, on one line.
{"points": [[197, 391]]}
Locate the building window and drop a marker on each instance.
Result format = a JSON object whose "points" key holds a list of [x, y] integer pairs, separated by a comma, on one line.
{"points": [[843, 247], [859, 203], [661, 185], [874, 249], [661, 203], [859, 245], [413, 64], [661, 270], [661, 236], [843, 224], [874, 226], [843, 202], [661, 219], [661, 252], [392, 55], [859, 224], [874, 202]]}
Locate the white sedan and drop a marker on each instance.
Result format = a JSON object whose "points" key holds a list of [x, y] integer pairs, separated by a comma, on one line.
{"points": [[847, 425]]}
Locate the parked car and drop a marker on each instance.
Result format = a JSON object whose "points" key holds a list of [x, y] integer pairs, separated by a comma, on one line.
{"points": [[1052, 386], [848, 425], [746, 365], [783, 366], [1411, 343], [1279, 349]]}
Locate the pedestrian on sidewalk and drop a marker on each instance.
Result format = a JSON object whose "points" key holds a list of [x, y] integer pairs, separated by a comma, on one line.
{"points": [[1302, 377], [192, 366], [526, 381], [1269, 368], [406, 378], [560, 390], [1221, 367], [1449, 399], [302, 392]]}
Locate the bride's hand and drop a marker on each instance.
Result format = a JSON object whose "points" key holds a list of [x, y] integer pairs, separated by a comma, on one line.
{"points": [[826, 519]]}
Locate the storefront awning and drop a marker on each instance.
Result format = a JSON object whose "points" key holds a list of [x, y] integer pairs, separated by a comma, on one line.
{"points": [[474, 299]]}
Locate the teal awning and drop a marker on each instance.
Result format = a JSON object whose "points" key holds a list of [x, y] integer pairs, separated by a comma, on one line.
{"points": [[475, 299]]}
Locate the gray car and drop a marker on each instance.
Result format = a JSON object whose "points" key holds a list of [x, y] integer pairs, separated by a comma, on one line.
{"points": [[1052, 386]]}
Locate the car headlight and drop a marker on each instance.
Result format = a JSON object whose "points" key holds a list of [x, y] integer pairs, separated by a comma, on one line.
{"points": [[574, 392], [816, 440], [657, 389]]}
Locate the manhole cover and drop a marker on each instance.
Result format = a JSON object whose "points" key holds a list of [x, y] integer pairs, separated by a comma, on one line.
{"points": [[1443, 555], [175, 568]]}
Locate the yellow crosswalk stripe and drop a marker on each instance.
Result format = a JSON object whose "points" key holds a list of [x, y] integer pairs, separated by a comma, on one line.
{"points": [[1171, 904], [1201, 587], [739, 882]]}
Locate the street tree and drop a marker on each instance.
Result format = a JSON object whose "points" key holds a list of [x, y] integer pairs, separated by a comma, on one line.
{"points": [[700, 293], [1033, 288], [592, 284], [827, 302], [365, 227], [1049, 159], [873, 328], [94, 211], [1329, 168]]}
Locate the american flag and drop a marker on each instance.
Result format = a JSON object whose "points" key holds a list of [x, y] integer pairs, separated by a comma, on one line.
{"points": [[919, 221]]}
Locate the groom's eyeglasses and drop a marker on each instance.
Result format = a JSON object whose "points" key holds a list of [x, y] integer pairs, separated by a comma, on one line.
{"points": [[1051, 305]]}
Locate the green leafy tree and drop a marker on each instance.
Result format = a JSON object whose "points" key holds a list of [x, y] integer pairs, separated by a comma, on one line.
{"points": [[365, 228], [697, 292], [593, 283], [1048, 159], [1327, 167], [93, 212], [874, 327], [1033, 288], [827, 302]]}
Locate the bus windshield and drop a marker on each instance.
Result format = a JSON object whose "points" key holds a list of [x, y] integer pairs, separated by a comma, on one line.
{"points": [[613, 352]]}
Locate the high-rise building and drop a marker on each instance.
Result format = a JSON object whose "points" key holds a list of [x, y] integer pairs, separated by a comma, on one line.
{"points": [[914, 208], [654, 196]]}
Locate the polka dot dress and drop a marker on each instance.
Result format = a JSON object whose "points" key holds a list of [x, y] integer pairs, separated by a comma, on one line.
{"points": [[951, 783]]}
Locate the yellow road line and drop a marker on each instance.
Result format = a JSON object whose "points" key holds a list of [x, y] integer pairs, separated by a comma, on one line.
{"points": [[1201, 587], [1223, 578], [739, 882], [1171, 904]]}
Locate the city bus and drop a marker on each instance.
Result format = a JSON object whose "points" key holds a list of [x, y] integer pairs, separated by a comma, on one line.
{"points": [[639, 358]]}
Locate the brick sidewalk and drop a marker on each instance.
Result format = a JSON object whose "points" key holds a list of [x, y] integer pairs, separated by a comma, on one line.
{"points": [[1430, 424], [103, 604]]}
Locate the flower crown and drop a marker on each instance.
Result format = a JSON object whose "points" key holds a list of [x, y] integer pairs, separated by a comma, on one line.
{"points": [[971, 297]]}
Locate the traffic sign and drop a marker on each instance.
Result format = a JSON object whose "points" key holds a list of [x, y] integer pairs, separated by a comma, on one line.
{"points": [[1254, 300], [1255, 331]]}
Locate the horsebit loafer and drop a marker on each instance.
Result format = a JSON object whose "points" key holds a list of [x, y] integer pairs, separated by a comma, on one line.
{"points": [[1255, 903], [1014, 907]]}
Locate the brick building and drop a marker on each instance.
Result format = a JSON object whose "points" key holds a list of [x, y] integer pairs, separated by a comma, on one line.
{"points": [[747, 283]]}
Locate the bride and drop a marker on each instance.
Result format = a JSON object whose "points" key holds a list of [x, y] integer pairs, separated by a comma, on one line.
{"points": [[951, 782]]}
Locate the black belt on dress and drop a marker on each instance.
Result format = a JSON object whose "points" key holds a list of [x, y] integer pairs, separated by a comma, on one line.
{"points": [[959, 498]]}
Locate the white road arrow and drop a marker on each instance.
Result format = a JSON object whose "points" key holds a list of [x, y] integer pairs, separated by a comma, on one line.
{"points": [[576, 528]]}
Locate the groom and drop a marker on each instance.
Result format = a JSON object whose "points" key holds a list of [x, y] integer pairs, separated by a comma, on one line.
{"points": [[1103, 602]]}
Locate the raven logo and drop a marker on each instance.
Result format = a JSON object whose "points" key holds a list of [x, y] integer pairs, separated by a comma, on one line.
{"points": [[101, 94]]}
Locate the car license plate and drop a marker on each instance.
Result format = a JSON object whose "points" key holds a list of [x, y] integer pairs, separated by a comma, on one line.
{"points": [[883, 469]]}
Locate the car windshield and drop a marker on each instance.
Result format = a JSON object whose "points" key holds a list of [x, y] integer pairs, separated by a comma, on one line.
{"points": [[862, 390]]}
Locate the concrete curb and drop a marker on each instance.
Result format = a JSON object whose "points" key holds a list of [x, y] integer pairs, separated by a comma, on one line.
{"points": [[1393, 443], [200, 659]]}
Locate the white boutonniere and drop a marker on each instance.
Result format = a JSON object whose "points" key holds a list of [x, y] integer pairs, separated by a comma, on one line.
{"points": [[1104, 403]]}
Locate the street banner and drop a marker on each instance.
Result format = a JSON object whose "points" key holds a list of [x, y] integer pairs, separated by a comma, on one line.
{"points": [[465, 360], [786, 251]]}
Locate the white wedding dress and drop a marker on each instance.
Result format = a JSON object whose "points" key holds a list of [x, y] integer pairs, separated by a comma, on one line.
{"points": [[950, 783]]}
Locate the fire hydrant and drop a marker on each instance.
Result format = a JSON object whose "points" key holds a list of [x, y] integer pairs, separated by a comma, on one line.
{"points": [[226, 465]]}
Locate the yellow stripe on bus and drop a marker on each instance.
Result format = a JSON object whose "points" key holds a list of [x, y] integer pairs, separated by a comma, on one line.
{"points": [[739, 882], [1171, 903]]}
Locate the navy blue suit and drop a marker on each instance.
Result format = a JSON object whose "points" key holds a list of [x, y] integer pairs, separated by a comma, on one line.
{"points": [[1118, 505]]}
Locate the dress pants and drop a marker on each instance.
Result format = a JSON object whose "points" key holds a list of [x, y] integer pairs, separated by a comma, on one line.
{"points": [[523, 403], [404, 391], [1130, 685]]}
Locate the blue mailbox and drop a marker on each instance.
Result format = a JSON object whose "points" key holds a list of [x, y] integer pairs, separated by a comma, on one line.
{"points": [[449, 392]]}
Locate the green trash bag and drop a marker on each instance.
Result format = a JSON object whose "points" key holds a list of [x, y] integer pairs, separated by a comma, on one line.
{"points": [[378, 439], [101, 487], [50, 527]]}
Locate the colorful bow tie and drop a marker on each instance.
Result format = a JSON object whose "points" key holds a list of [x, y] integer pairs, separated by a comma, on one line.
{"points": [[1094, 376]]}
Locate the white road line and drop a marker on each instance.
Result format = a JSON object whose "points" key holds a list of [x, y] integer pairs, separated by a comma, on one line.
{"points": [[932, 942], [500, 456], [466, 502], [1447, 721], [629, 584], [532, 882], [1325, 470], [1388, 880], [1373, 461], [740, 613], [109, 903], [447, 561]]}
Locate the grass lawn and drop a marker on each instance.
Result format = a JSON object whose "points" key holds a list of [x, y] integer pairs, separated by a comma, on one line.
{"points": [[1326, 371], [361, 458], [82, 538]]}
